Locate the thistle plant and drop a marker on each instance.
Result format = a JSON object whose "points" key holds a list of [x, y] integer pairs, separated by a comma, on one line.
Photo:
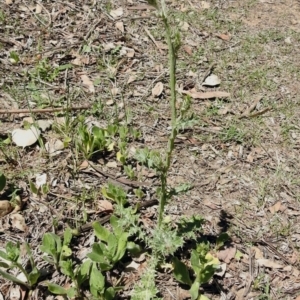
{"points": [[151, 158]]}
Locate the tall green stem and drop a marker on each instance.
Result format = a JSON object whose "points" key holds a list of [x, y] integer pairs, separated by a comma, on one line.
{"points": [[172, 66]]}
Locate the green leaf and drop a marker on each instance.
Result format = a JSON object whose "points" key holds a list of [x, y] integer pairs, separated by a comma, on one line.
{"points": [[3, 255], [202, 297], [97, 283], [184, 187], [181, 272], [48, 259], [66, 267], [14, 56], [122, 245], [67, 236], [30, 255], [134, 248], [33, 188], [97, 255], [109, 294], [112, 245], [12, 251], [101, 232], [57, 289], [222, 239], [66, 251], [71, 292], [65, 67], [238, 255], [83, 272], [4, 265], [45, 189], [114, 221], [34, 276], [194, 290], [49, 245], [195, 261], [13, 279], [2, 182]]}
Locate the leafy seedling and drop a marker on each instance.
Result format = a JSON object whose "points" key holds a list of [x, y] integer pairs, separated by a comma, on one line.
{"points": [[92, 141], [56, 249], [78, 276], [203, 265], [129, 171], [97, 285], [41, 190], [11, 258], [112, 245], [115, 194]]}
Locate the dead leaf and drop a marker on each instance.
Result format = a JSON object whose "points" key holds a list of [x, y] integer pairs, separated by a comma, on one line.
{"points": [[5, 208], [88, 83], [114, 91], [204, 4], [277, 207], [120, 26], [158, 89], [110, 102], [40, 180], [108, 47], [132, 267], [112, 164], [258, 252], [53, 147], [18, 222], [130, 52], [263, 262], [287, 268], [84, 165], [227, 254], [188, 50], [15, 293], [223, 111], [185, 26], [224, 37], [212, 80], [8, 2], [131, 78], [288, 40], [183, 294], [38, 9], [116, 13], [296, 272], [25, 137], [104, 205], [44, 124], [207, 95], [208, 202]]}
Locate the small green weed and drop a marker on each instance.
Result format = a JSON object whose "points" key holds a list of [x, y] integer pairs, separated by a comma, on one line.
{"points": [[12, 259], [232, 133], [112, 246], [203, 265], [56, 249]]}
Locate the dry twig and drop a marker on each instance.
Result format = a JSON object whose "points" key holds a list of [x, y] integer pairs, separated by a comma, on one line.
{"points": [[43, 110]]}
